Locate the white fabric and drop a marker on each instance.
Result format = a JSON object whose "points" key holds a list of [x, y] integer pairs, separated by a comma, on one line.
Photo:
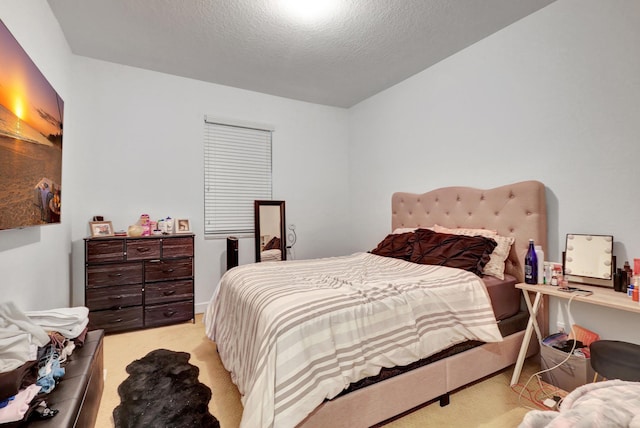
{"points": [[295, 333], [270, 255], [19, 337], [69, 322], [613, 403], [402, 230]]}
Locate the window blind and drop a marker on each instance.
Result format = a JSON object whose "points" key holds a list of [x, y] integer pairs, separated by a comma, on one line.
{"points": [[237, 171]]}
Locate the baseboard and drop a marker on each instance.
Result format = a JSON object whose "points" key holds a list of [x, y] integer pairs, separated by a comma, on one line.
{"points": [[200, 308]]}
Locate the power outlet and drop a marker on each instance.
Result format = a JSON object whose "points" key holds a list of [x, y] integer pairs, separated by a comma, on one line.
{"points": [[561, 328]]}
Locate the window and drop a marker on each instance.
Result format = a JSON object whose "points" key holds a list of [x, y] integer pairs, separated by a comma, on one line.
{"points": [[237, 171]]}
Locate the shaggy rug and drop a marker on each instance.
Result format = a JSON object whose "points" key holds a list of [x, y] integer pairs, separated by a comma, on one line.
{"points": [[163, 390]]}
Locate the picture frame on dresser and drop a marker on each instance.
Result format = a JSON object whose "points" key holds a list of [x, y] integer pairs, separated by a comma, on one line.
{"points": [[101, 228], [183, 225]]}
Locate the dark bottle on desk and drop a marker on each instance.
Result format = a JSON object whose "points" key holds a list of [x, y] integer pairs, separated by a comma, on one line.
{"points": [[620, 280], [628, 271], [531, 265]]}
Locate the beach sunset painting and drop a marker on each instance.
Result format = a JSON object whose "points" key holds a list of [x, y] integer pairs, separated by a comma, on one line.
{"points": [[31, 118]]}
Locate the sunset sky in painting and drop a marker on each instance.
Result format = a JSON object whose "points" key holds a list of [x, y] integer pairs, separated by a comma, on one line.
{"points": [[24, 90]]}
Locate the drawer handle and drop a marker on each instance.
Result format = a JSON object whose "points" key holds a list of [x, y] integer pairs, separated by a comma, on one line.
{"points": [[115, 275], [169, 292], [118, 320], [169, 313], [143, 249], [168, 270], [116, 297]]}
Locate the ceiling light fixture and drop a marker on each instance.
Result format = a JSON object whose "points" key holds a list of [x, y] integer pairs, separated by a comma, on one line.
{"points": [[309, 10]]}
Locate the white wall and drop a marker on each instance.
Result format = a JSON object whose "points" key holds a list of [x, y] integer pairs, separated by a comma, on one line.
{"points": [[140, 150], [133, 144], [554, 97], [34, 262]]}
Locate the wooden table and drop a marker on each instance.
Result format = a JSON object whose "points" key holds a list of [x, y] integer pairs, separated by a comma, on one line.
{"points": [[598, 296]]}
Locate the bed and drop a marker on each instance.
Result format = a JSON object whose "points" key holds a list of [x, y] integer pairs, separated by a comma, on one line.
{"points": [[278, 355], [270, 250], [272, 255]]}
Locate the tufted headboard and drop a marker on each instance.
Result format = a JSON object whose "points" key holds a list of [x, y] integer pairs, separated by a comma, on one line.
{"points": [[517, 210]]}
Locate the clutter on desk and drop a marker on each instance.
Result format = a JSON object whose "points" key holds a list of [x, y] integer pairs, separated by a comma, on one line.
{"points": [[627, 280], [552, 271]]}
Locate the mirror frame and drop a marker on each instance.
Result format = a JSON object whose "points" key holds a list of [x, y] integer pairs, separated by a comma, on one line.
{"points": [[594, 251], [256, 215]]}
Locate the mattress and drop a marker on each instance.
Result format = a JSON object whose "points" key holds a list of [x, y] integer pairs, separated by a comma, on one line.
{"points": [[505, 297], [507, 326], [270, 255]]}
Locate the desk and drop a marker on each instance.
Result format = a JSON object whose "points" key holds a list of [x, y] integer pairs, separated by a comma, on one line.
{"points": [[601, 297]]}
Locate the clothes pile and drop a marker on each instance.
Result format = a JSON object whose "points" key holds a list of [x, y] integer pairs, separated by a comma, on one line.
{"points": [[34, 346], [612, 403]]}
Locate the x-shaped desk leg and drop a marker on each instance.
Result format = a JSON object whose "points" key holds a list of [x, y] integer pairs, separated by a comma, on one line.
{"points": [[533, 323]]}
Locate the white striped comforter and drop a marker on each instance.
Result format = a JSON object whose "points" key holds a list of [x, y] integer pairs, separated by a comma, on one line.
{"points": [[270, 255], [295, 333]]}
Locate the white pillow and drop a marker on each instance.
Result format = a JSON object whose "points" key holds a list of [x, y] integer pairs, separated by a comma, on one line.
{"points": [[400, 230], [495, 266]]}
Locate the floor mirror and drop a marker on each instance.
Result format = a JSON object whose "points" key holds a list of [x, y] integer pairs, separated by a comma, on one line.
{"points": [[270, 240]]}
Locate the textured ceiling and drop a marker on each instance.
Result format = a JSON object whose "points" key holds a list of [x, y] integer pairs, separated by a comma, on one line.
{"points": [[365, 47]]}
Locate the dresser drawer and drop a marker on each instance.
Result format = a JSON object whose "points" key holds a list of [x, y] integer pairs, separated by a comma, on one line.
{"points": [[114, 297], [143, 249], [117, 320], [108, 250], [168, 314], [168, 291], [160, 270], [177, 247], [114, 274]]}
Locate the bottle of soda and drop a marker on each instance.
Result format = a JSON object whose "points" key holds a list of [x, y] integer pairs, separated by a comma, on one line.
{"points": [[531, 265]]}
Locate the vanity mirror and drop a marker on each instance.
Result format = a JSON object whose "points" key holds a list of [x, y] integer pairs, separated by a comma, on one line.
{"points": [[270, 241], [589, 259]]}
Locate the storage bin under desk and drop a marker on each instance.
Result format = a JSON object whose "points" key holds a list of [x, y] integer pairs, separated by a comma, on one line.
{"points": [[571, 374]]}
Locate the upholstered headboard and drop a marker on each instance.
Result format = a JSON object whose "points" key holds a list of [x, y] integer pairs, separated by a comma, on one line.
{"points": [[517, 210]]}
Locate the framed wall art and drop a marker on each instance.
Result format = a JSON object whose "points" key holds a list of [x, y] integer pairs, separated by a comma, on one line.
{"points": [[31, 117]]}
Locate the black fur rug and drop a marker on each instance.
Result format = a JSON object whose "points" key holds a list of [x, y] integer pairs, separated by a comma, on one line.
{"points": [[163, 390]]}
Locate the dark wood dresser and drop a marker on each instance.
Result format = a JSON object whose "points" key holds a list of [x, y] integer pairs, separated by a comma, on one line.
{"points": [[134, 283]]}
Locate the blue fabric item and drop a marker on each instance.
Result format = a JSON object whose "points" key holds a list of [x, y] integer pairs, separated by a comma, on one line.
{"points": [[5, 403], [46, 383], [49, 370], [58, 371]]}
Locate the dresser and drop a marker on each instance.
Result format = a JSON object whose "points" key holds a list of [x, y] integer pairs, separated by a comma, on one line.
{"points": [[134, 283]]}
